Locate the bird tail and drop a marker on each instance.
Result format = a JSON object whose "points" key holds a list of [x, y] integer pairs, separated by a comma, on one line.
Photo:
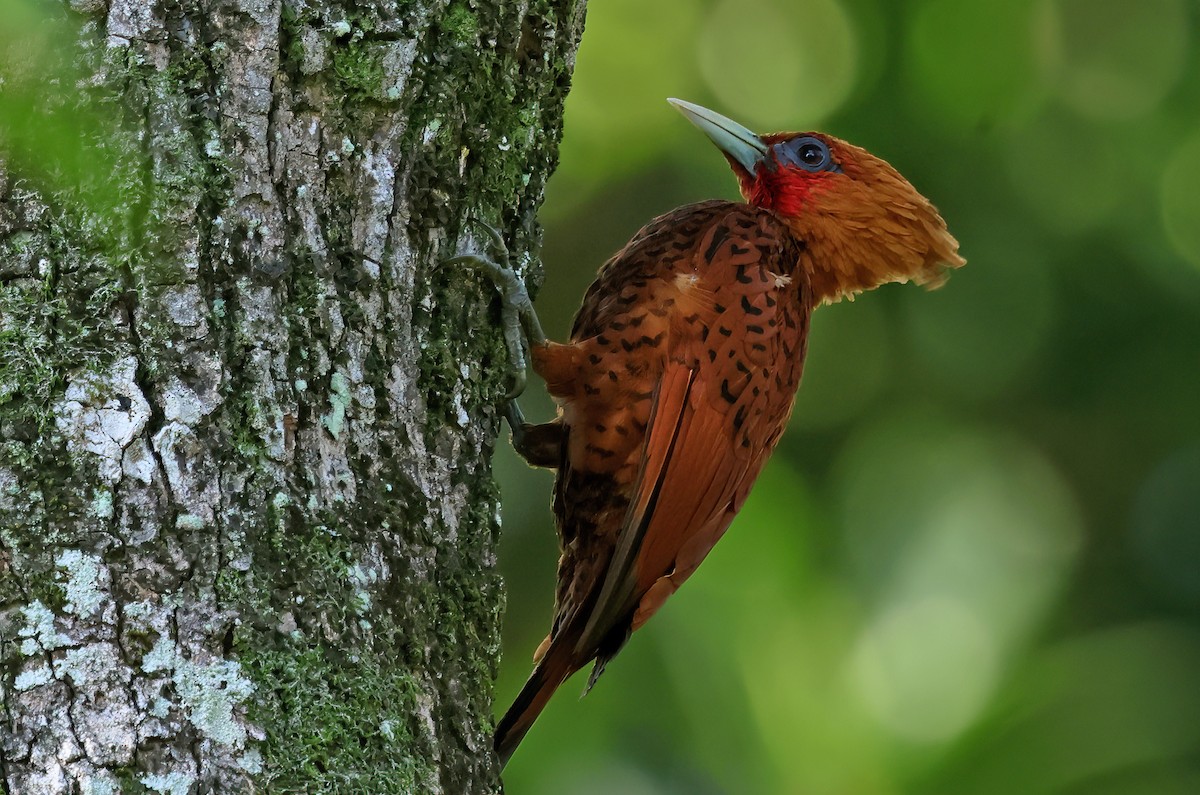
{"points": [[551, 671]]}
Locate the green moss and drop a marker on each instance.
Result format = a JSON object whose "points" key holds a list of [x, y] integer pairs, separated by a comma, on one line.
{"points": [[138, 642], [499, 157], [336, 722], [232, 586], [60, 321], [463, 331], [53, 328], [128, 780], [292, 22], [337, 725], [460, 22], [321, 555], [245, 420], [358, 70]]}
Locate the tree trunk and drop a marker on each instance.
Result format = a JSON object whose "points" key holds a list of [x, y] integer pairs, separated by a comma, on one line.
{"points": [[247, 520]]}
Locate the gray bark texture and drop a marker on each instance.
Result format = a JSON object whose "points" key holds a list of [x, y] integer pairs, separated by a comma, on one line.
{"points": [[247, 519]]}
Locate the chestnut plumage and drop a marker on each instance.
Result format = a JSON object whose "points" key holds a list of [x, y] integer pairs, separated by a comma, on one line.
{"points": [[682, 368]]}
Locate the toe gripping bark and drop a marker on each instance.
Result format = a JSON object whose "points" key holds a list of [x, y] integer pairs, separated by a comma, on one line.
{"points": [[540, 445], [522, 329]]}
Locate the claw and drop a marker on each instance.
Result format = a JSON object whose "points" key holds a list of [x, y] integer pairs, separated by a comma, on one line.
{"points": [[494, 236], [521, 325], [520, 381]]}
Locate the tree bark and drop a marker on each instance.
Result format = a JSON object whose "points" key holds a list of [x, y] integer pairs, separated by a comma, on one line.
{"points": [[247, 520]]}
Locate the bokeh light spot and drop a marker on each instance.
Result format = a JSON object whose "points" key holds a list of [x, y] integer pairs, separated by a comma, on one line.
{"points": [[976, 64], [616, 115], [1119, 59], [1181, 200], [779, 63], [926, 668], [936, 509]]}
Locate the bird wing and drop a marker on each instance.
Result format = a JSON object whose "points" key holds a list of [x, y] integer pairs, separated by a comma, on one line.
{"points": [[725, 392]]}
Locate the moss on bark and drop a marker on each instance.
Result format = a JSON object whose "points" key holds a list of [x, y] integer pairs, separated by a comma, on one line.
{"points": [[247, 523]]}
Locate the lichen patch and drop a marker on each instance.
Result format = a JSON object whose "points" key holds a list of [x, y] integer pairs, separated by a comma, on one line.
{"points": [[84, 579], [208, 690], [103, 413], [39, 633], [169, 784]]}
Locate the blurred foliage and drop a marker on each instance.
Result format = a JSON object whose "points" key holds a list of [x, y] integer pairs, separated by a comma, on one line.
{"points": [[56, 126], [973, 566]]}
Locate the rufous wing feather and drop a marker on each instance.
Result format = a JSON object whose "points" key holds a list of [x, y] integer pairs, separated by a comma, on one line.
{"points": [[668, 413]]}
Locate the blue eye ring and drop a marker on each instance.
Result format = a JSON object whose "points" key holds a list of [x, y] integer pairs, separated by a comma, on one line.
{"points": [[807, 153]]}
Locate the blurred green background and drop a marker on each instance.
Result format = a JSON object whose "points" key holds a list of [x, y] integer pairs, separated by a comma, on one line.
{"points": [[973, 566]]}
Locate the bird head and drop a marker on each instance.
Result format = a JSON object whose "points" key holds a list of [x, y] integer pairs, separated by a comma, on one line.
{"points": [[862, 224]]}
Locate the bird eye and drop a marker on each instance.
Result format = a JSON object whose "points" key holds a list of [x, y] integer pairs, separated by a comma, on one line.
{"points": [[807, 153], [811, 154]]}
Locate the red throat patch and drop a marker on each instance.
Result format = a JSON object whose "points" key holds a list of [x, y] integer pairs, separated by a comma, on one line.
{"points": [[786, 191]]}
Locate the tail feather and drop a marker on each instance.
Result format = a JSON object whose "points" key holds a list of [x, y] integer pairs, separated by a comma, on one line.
{"points": [[597, 669], [550, 673], [610, 646]]}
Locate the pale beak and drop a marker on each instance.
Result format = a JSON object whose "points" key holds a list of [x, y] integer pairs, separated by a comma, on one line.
{"points": [[741, 145]]}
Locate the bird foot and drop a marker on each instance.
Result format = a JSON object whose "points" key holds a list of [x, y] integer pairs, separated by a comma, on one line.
{"points": [[520, 321], [540, 445]]}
